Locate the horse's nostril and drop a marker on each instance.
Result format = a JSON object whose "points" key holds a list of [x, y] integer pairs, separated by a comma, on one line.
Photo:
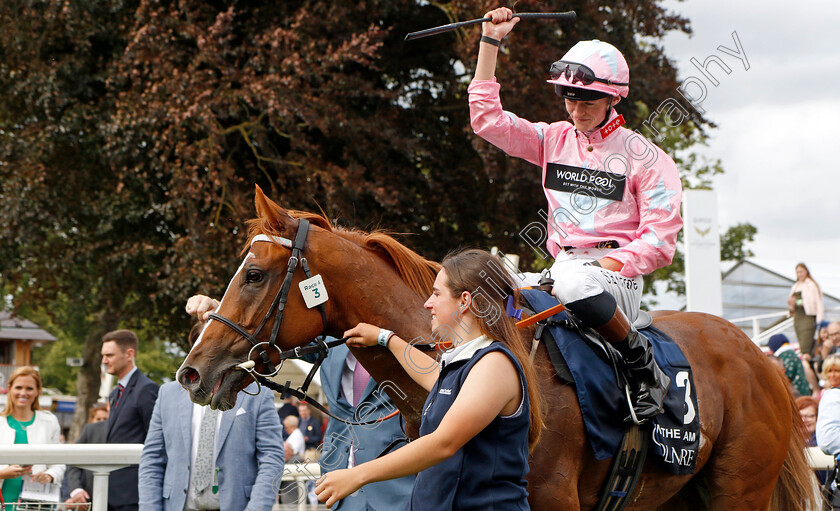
{"points": [[189, 376]]}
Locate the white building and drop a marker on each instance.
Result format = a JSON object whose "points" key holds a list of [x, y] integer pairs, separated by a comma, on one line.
{"points": [[759, 289]]}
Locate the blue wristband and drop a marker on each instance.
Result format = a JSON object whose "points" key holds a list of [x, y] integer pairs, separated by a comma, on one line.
{"points": [[384, 337]]}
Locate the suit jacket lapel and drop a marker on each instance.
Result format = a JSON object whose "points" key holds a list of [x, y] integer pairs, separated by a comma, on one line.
{"points": [[112, 418], [114, 414], [224, 427], [184, 403], [229, 416], [331, 375]]}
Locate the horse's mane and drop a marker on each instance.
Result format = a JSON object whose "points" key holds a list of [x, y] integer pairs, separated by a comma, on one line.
{"points": [[416, 271]]}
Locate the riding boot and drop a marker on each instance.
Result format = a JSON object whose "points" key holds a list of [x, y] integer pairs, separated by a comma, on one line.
{"points": [[648, 384], [651, 384]]}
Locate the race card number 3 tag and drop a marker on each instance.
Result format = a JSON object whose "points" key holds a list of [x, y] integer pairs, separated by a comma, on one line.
{"points": [[313, 291]]}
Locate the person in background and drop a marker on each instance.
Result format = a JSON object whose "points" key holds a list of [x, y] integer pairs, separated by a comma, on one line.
{"points": [[831, 345], [828, 411], [348, 388], [811, 377], [313, 434], [808, 407], [310, 427], [23, 422], [196, 458], [794, 367], [289, 407], [80, 481], [294, 439], [820, 341], [132, 402], [805, 304], [831, 373], [295, 447], [98, 413]]}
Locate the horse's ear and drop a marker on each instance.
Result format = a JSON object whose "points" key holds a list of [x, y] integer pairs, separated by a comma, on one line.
{"points": [[269, 210]]}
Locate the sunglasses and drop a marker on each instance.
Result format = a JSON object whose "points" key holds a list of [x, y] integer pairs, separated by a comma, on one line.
{"points": [[575, 73]]}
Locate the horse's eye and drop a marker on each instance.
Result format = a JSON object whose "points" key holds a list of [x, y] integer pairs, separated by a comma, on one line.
{"points": [[253, 276]]}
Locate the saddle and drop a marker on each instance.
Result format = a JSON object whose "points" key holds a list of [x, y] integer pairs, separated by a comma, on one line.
{"points": [[583, 359]]}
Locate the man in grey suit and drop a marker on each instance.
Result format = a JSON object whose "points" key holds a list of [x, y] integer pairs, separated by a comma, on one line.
{"points": [[355, 397], [247, 458], [346, 445]]}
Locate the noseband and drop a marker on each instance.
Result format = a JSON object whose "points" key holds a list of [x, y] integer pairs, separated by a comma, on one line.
{"points": [[278, 305]]}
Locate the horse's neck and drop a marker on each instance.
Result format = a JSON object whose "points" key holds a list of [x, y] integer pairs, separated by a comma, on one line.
{"points": [[377, 295]]}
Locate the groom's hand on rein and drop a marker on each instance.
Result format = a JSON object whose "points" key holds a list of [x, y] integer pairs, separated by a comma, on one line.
{"points": [[362, 335]]}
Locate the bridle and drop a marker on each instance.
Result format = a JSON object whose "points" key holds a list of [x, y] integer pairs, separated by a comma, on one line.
{"points": [[278, 305], [277, 308]]}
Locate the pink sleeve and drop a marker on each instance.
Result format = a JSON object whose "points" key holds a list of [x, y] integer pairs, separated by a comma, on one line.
{"points": [[515, 136], [658, 195]]}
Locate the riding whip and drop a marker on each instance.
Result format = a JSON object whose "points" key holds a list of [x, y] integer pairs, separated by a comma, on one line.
{"points": [[523, 15]]}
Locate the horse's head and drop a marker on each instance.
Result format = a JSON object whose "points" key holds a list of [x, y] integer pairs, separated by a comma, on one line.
{"points": [[264, 290]]}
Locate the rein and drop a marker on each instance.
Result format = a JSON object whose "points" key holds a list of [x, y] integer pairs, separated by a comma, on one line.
{"points": [[286, 390], [321, 347], [300, 392], [277, 307]]}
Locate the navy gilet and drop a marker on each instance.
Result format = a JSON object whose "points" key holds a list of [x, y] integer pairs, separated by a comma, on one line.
{"points": [[488, 472]]}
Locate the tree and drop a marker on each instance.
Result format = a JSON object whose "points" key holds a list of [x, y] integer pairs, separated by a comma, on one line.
{"points": [[133, 132], [733, 243]]}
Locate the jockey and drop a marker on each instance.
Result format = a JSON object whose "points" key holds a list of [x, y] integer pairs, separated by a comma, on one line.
{"points": [[613, 197]]}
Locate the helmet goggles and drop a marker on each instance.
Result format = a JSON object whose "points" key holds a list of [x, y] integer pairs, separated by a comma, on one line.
{"points": [[575, 72]]}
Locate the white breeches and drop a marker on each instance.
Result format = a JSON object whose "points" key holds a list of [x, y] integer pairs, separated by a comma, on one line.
{"points": [[574, 280]]}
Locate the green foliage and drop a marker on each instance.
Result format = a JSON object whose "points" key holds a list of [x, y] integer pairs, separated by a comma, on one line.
{"points": [[680, 135], [733, 243], [51, 359], [158, 358]]}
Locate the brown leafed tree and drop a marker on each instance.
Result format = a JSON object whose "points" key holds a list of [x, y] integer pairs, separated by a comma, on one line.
{"points": [[133, 132]]}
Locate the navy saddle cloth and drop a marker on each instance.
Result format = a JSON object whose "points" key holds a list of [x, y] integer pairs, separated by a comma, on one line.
{"points": [[675, 434]]}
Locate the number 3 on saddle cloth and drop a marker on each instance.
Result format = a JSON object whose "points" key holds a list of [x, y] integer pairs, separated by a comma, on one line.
{"points": [[675, 434]]}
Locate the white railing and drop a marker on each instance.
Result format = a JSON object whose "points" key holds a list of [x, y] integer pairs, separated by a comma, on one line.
{"points": [[102, 459], [773, 330], [759, 337], [755, 323], [301, 473]]}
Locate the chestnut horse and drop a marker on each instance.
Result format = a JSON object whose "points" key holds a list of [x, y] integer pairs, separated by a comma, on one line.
{"points": [[751, 451]]}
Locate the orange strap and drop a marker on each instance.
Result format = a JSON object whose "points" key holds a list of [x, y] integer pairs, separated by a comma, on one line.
{"points": [[542, 315]]}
